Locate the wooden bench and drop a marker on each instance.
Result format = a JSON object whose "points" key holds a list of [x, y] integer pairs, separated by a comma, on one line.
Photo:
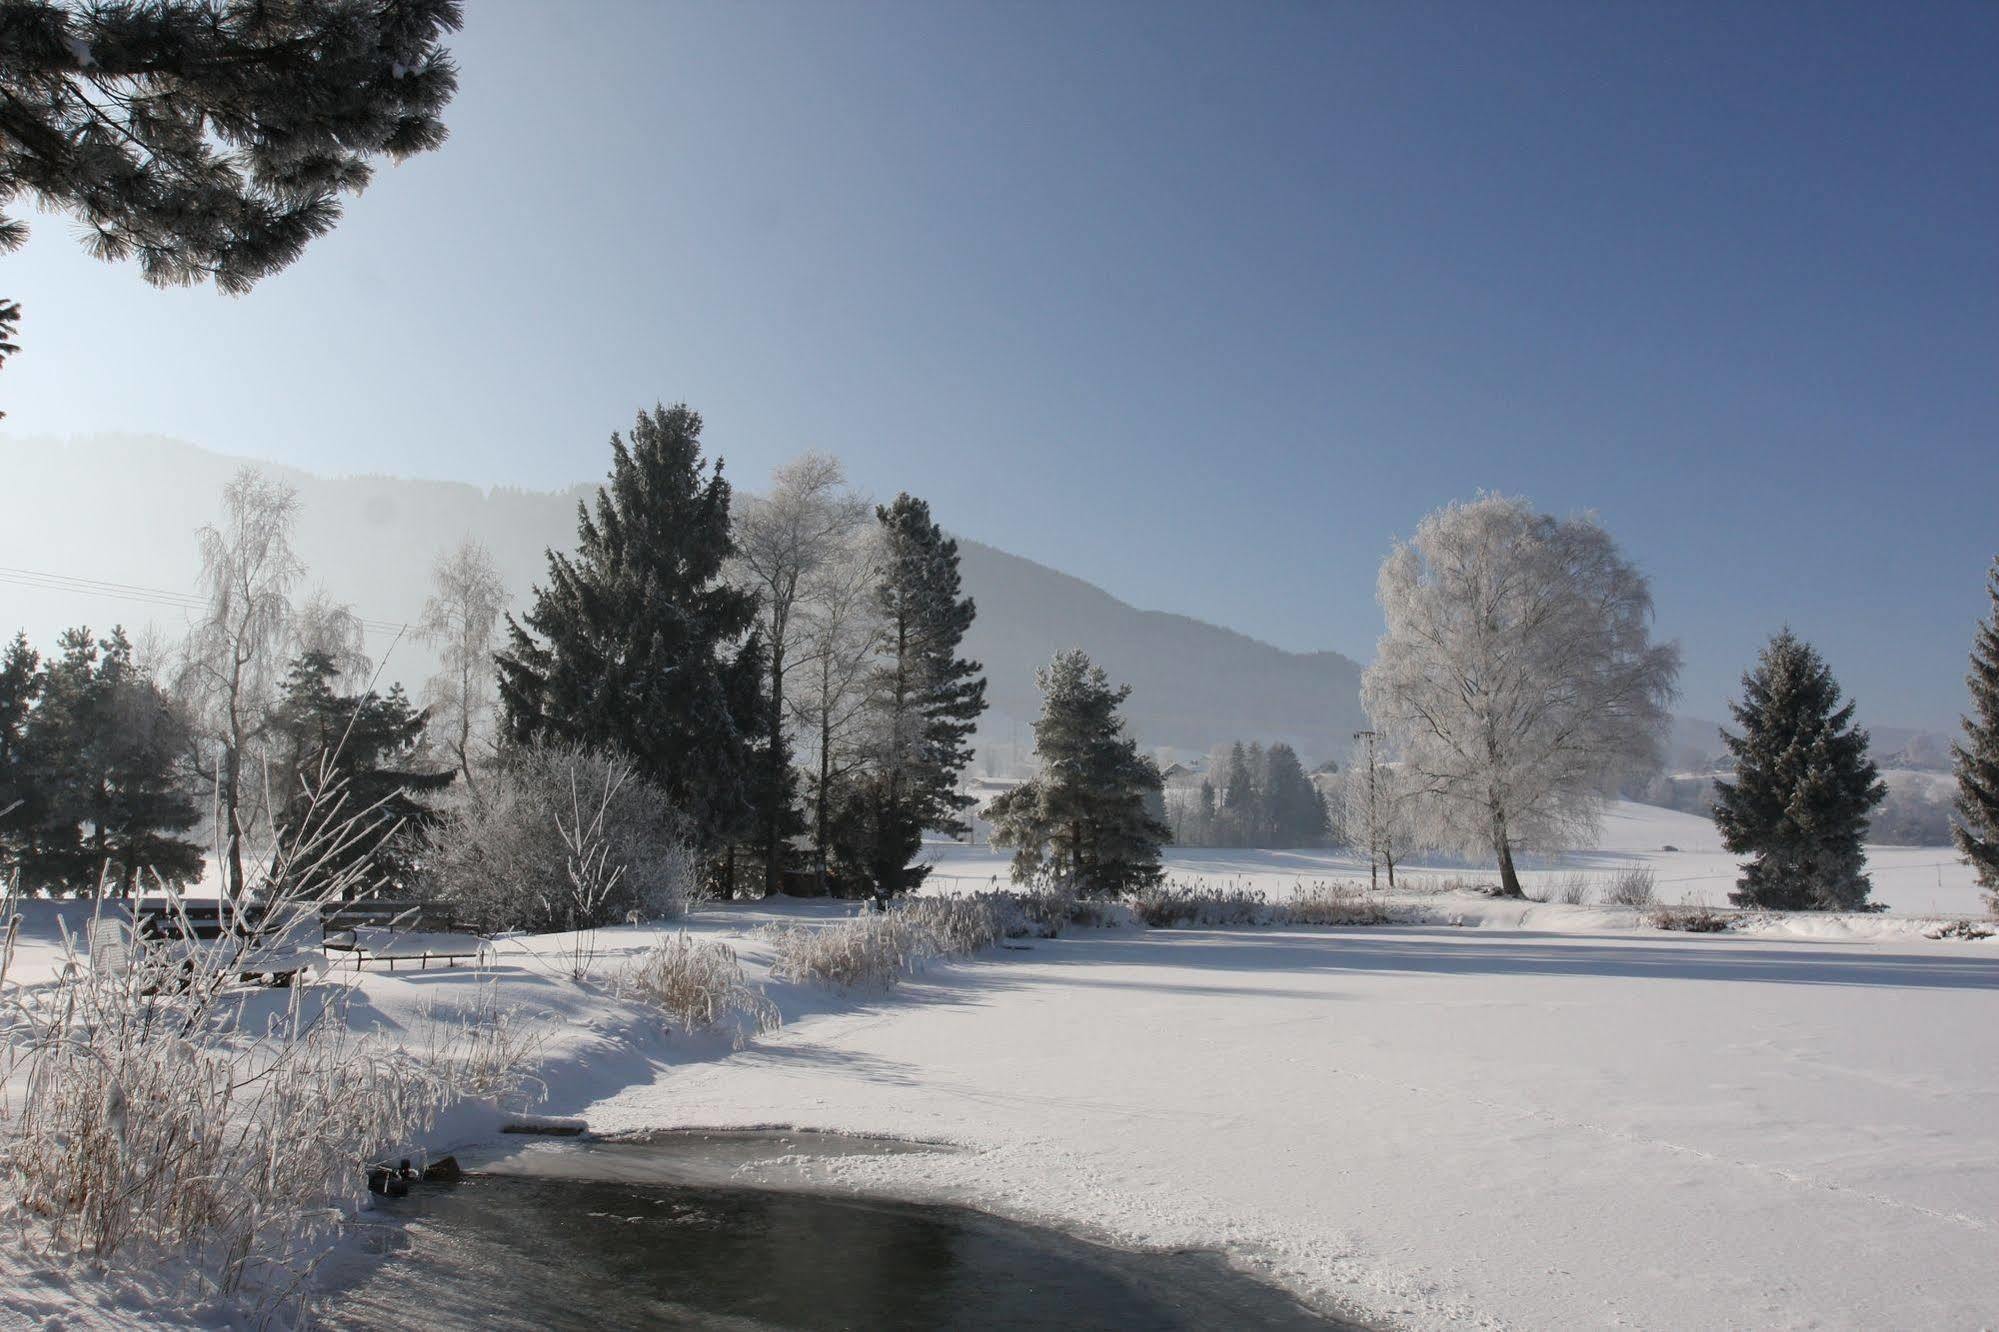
{"points": [[392, 932], [210, 933]]}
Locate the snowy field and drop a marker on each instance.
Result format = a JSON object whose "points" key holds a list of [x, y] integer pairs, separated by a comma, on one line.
{"points": [[1911, 880], [1549, 1117]]}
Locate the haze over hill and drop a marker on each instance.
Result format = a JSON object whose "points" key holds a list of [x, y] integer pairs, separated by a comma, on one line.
{"points": [[124, 509]]}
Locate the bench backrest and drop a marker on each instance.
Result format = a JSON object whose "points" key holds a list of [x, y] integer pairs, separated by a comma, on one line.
{"points": [[403, 917]]}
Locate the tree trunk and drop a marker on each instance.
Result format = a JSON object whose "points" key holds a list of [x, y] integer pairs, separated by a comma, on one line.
{"points": [[231, 779], [821, 802], [1509, 882], [774, 796]]}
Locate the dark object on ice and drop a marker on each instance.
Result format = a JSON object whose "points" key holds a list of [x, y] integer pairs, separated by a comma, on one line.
{"points": [[1669, 847], [552, 1128], [392, 1182], [444, 1170]]}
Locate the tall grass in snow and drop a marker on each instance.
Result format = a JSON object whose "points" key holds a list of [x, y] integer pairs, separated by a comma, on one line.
{"points": [[1327, 903], [156, 1113], [874, 950], [698, 985]]}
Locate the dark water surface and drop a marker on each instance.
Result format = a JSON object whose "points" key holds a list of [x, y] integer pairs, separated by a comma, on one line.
{"points": [[540, 1252]]}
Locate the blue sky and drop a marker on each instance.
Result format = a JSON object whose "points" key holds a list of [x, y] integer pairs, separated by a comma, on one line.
{"points": [[1204, 304]]}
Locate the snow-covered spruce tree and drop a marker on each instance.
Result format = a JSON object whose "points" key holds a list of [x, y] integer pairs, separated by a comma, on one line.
{"points": [[638, 645], [1976, 757], [1085, 816], [212, 140], [1802, 789], [355, 782], [785, 543], [21, 793], [110, 747], [1518, 679], [924, 702]]}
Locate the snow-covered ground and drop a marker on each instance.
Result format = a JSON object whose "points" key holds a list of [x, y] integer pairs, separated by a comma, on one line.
{"points": [[1551, 1117]]}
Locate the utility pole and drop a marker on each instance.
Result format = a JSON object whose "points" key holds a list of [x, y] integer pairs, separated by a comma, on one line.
{"points": [[1373, 814]]}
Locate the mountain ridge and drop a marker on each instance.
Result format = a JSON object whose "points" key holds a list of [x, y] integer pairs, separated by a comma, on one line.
{"points": [[370, 538]]}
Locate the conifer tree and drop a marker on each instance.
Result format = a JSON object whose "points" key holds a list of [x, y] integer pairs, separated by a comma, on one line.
{"points": [[1086, 815], [636, 643], [211, 140], [1295, 814], [1802, 789], [138, 801], [103, 749], [1976, 757], [924, 702], [357, 779], [20, 686]]}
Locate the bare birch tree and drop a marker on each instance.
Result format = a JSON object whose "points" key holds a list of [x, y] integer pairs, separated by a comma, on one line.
{"points": [[838, 629], [233, 655], [783, 542], [331, 629], [1518, 679], [1378, 809], [461, 619]]}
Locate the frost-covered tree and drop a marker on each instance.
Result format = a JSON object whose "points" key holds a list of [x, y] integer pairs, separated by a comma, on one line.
{"points": [[1088, 815], [637, 643], [331, 629], [1803, 786], [461, 620], [1976, 757], [212, 140], [1378, 811], [234, 653], [1518, 679], [786, 544], [838, 629], [924, 702]]}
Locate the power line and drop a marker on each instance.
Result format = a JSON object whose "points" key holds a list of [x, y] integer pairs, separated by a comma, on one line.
{"points": [[55, 582]]}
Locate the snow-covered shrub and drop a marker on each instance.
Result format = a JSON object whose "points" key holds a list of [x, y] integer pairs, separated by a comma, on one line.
{"points": [[1336, 904], [699, 985], [1172, 904], [1694, 916], [1631, 887], [1959, 929], [1571, 889], [961, 926], [876, 949], [563, 837], [871, 951]]}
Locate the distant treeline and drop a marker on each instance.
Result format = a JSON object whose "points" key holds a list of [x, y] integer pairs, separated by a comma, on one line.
{"points": [[1249, 796]]}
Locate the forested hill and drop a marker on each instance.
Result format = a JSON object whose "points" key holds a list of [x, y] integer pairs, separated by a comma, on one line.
{"points": [[125, 509], [1194, 684]]}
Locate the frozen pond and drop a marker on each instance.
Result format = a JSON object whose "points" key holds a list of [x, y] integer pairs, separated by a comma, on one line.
{"points": [[603, 1238]]}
